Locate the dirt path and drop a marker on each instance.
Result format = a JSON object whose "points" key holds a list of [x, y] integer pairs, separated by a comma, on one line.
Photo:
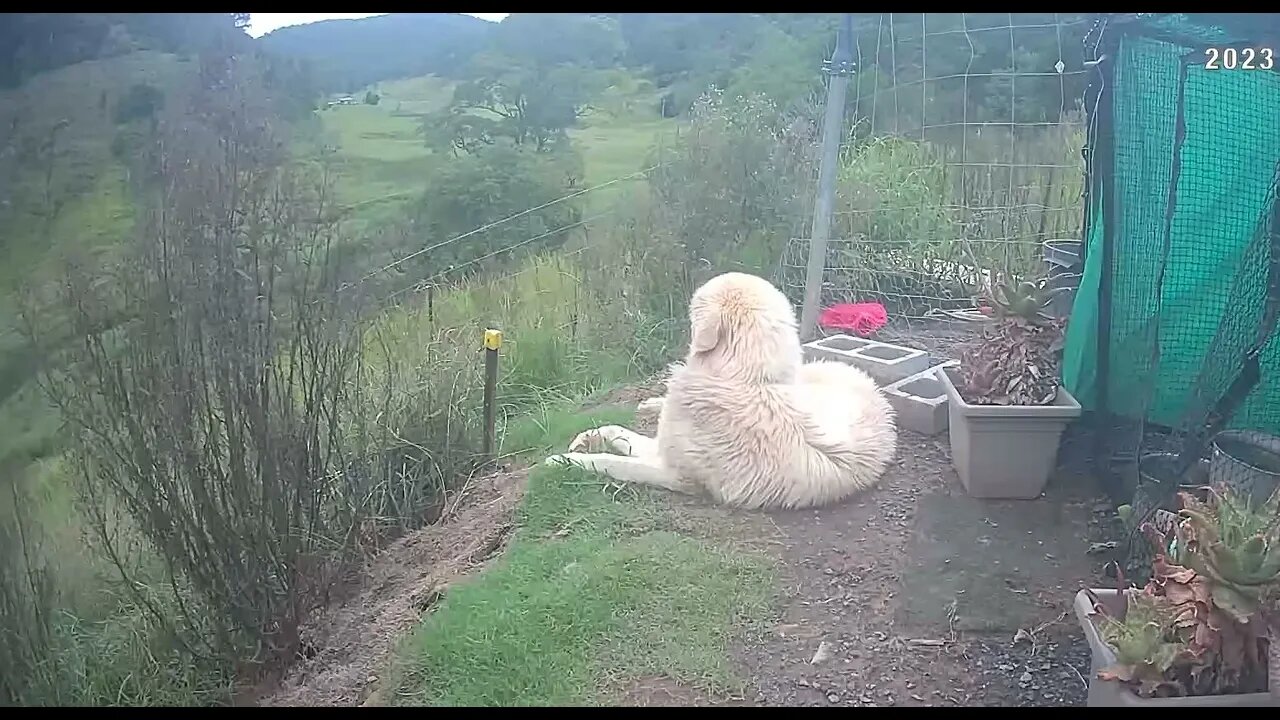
{"points": [[355, 637]]}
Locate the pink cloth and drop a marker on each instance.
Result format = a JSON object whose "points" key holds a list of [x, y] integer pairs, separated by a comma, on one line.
{"points": [[861, 318]]}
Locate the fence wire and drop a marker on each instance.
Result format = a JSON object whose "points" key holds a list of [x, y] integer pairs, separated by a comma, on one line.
{"points": [[963, 158]]}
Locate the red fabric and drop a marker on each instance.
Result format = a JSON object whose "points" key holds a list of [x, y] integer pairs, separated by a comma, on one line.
{"points": [[861, 318]]}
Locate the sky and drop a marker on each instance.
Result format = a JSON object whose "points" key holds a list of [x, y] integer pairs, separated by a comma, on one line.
{"points": [[262, 23]]}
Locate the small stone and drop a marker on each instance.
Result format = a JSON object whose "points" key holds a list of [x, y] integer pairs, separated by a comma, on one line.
{"points": [[1026, 678], [833, 698], [823, 654]]}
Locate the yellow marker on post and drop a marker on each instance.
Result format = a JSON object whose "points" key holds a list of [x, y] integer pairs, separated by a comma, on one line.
{"points": [[492, 341]]}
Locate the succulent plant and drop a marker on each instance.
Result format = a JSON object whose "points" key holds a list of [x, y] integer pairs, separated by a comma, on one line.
{"points": [[1145, 646], [1027, 301], [1016, 360], [1236, 545], [1174, 640], [1202, 619]]}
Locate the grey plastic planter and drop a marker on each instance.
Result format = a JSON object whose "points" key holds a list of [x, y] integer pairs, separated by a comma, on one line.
{"points": [[1005, 452], [1112, 693]]}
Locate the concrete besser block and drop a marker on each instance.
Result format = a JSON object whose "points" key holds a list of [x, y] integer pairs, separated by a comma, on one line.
{"points": [[885, 363], [920, 401]]}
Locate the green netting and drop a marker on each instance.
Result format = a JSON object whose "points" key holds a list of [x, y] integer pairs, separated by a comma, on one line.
{"points": [[1181, 324]]}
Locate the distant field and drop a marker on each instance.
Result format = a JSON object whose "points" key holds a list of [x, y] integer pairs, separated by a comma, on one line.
{"points": [[382, 162]]}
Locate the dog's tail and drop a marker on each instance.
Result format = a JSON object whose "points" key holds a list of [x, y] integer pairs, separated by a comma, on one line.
{"points": [[860, 444]]}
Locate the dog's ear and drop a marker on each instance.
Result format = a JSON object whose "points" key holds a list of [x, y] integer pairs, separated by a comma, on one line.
{"points": [[705, 332]]}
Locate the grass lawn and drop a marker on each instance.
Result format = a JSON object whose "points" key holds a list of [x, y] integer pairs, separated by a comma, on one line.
{"points": [[593, 591]]}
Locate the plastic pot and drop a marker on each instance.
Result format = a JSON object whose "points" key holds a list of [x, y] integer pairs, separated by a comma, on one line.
{"points": [[1005, 452]]}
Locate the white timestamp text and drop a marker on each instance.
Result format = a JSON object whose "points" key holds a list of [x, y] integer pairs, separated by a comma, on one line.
{"points": [[1239, 58]]}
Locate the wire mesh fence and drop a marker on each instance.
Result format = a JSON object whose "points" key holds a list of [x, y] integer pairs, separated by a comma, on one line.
{"points": [[962, 167]]}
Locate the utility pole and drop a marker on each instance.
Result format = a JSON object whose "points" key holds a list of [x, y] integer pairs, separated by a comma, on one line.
{"points": [[838, 68]]}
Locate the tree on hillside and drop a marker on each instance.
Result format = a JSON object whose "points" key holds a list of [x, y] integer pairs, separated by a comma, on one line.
{"points": [[506, 98], [781, 67]]}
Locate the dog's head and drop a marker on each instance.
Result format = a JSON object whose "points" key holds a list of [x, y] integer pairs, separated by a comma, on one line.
{"points": [[742, 327]]}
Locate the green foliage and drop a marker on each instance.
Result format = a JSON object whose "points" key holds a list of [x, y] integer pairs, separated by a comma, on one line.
{"points": [[919, 221], [512, 98], [780, 66], [1237, 547], [140, 102], [988, 48], [346, 55], [1145, 643], [32, 43], [585, 40], [732, 188], [777, 54], [492, 182]]}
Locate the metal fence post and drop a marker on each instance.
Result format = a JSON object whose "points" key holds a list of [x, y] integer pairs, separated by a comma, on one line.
{"points": [[839, 68], [492, 342]]}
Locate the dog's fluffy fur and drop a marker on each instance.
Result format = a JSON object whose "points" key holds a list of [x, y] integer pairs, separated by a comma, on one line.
{"points": [[744, 419]]}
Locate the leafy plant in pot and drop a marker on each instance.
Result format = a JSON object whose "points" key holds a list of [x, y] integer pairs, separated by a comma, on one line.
{"points": [[1204, 625], [1237, 546], [1006, 407]]}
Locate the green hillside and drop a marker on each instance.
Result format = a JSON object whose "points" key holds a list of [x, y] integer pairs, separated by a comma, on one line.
{"points": [[346, 55]]}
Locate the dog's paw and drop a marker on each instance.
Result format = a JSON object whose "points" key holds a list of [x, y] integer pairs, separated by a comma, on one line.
{"points": [[558, 461], [604, 439]]}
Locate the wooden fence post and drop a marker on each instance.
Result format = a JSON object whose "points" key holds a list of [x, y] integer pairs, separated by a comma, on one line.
{"points": [[492, 341]]}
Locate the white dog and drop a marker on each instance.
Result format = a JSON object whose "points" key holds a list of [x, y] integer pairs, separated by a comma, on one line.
{"points": [[746, 421]]}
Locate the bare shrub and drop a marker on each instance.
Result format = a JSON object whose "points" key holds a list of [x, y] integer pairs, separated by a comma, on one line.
{"points": [[226, 419], [27, 596]]}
